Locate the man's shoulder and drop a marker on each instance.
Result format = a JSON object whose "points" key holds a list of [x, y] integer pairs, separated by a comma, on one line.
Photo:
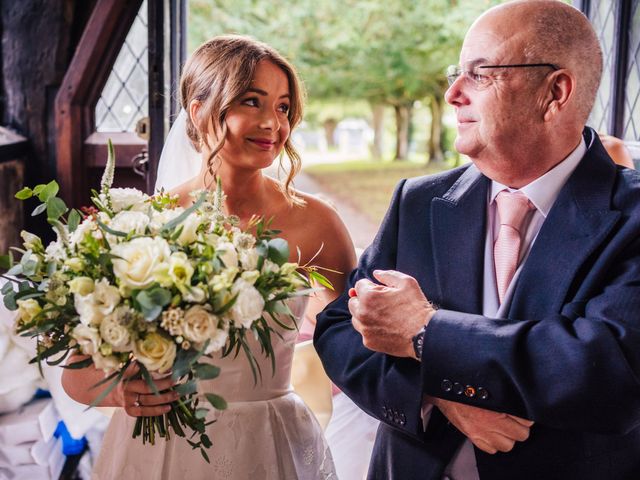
{"points": [[626, 191], [435, 185]]}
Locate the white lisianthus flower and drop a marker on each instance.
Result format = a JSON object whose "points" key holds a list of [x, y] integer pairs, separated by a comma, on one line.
{"points": [[123, 198], [288, 268], [227, 253], [107, 363], [189, 227], [31, 242], [194, 295], [155, 352], [55, 252], [127, 222], [270, 267], [141, 259], [250, 276], [114, 333], [88, 225], [218, 340], [249, 258], [88, 339], [180, 270], [81, 285], [75, 264], [249, 304], [199, 324], [86, 308], [158, 219], [28, 309], [105, 296]]}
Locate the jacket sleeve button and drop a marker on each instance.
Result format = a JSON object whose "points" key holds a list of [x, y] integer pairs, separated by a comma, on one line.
{"points": [[457, 388], [469, 391], [446, 385], [482, 393]]}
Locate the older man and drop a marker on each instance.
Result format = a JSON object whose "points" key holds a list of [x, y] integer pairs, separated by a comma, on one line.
{"points": [[506, 292]]}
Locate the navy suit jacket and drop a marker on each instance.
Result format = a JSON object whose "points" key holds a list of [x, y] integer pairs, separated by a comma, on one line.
{"points": [[567, 356]]}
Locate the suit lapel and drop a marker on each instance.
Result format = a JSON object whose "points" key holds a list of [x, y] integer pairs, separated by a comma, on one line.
{"points": [[457, 235], [577, 224]]}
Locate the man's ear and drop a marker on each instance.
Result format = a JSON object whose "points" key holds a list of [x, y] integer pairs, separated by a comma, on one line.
{"points": [[560, 90]]}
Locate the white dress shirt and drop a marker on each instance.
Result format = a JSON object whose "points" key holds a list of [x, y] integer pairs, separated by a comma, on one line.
{"points": [[542, 193]]}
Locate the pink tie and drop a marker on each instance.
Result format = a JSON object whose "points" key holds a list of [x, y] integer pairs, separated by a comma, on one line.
{"points": [[513, 210]]}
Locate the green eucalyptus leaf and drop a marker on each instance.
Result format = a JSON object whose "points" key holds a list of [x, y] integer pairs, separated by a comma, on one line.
{"points": [[39, 209], [38, 188], [49, 191], [183, 216], [216, 401], [205, 371], [10, 301], [74, 220], [151, 302], [113, 232], [15, 270], [6, 288], [278, 251], [55, 208], [187, 388], [24, 194]]}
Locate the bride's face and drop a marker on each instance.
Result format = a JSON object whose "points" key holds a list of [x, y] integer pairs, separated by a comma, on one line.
{"points": [[258, 123]]}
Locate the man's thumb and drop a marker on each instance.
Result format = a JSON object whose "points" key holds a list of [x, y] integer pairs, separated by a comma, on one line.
{"points": [[390, 278]]}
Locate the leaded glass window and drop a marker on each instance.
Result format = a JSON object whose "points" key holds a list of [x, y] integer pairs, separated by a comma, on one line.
{"points": [[631, 125], [603, 14], [125, 97]]}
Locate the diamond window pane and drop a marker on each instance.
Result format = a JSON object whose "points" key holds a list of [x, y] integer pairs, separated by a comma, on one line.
{"points": [[631, 125], [124, 99], [603, 17]]}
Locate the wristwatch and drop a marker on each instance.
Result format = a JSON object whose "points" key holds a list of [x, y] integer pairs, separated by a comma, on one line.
{"points": [[418, 343]]}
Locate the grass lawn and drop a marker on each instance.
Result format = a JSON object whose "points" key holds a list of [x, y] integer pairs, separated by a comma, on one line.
{"points": [[367, 185]]}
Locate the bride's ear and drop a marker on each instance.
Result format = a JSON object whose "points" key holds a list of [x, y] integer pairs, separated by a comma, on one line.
{"points": [[194, 107]]}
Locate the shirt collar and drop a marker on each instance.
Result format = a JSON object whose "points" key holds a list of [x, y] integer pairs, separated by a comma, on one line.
{"points": [[544, 190]]}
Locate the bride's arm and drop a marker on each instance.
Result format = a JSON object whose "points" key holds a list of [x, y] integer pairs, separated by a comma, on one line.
{"points": [[78, 384]]}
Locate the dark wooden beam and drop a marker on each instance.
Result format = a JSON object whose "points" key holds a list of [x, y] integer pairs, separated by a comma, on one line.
{"points": [[83, 82]]}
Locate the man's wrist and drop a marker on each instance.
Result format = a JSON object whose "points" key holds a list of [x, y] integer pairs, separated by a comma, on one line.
{"points": [[418, 339]]}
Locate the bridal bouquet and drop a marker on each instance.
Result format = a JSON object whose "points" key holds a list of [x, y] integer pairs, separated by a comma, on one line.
{"points": [[140, 279]]}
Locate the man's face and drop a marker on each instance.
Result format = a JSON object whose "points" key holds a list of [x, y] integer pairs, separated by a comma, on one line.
{"points": [[496, 108]]}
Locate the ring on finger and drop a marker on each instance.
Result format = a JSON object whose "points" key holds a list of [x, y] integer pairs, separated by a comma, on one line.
{"points": [[137, 402]]}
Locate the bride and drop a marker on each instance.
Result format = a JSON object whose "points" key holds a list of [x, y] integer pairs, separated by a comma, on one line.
{"points": [[240, 101]]}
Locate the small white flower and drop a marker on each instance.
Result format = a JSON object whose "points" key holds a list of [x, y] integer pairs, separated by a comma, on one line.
{"points": [[270, 267], [180, 270], [249, 304], [105, 296], [194, 295], [28, 309], [107, 363], [88, 225], [55, 252], [123, 198], [81, 285]]}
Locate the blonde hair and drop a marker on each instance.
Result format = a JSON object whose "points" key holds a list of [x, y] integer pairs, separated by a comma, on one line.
{"points": [[218, 73]]}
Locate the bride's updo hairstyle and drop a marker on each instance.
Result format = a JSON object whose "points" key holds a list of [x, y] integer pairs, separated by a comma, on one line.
{"points": [[218, 73]]}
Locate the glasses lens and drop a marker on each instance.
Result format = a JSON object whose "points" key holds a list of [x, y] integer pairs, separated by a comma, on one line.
{"points": [[453, 72]]}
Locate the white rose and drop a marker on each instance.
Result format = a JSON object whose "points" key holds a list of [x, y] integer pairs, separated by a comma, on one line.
{"points": [[189, 227], [249, 303], [115, 334], [88, 339], [199, 324], [127, 222], [141, 259], [123, 198], [155, 352], [105, 363], [159, 219], [227, 253], [249, 259]]}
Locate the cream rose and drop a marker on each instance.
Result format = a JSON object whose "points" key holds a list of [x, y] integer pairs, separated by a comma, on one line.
{"points": [[115, 334], [199, 324], [249, 304], [141, 259], [127, 222], [86, 308], [88, 339], [155, 352], [105, 296]]}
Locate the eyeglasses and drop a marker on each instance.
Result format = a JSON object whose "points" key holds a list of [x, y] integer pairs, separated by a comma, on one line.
{"points": [[479, 80]]}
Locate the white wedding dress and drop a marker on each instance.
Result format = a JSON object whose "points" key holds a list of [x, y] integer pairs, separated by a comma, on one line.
{"points": [[266, 433]]}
